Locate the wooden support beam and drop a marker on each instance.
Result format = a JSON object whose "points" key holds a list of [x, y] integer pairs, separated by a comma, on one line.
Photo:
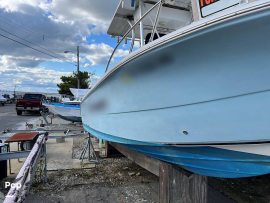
{"points": [[175, 183], [146, 162], [179, 185]]}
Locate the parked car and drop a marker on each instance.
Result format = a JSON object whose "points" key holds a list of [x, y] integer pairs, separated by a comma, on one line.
{"points": [[7, 96], [30, 102], [3, 100]]}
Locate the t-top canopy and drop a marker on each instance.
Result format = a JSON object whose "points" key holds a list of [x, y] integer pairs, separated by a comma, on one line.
{"points": [[174, 14]]}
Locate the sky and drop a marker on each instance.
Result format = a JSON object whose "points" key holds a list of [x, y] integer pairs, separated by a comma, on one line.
{"points": [[53, 27]]}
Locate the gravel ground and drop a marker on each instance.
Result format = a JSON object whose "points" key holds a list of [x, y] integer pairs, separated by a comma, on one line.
{"points": [[113, 180], [120, 180], [244, 190]]}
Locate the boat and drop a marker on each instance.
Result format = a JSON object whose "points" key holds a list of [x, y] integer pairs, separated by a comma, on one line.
{"points": [[196, 92], [69, 109], [68, 112]]}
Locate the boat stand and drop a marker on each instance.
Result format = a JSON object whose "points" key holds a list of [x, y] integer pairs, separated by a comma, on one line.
{"points": [[46, 115], [89, 149]]}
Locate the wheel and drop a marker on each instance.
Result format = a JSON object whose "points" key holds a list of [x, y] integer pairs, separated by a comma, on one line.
{"points": [[3, 104], [19, 113]]}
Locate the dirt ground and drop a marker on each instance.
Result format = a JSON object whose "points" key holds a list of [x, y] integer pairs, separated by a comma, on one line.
{"points": [[119, 180], [113, 180], [244, 190]]}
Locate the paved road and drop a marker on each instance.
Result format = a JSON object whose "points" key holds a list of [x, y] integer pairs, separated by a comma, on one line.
{"points": [[9, 118]]}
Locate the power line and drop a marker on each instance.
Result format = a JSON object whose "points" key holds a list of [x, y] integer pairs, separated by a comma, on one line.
{"points": [[30, 31], [30, 42], [31, 47], [23, 27]]}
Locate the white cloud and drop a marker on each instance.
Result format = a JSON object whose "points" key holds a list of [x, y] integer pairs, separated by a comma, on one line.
{"points": [[100, 53], [56, 25], [98, 13], [42, 78], [16, 5]]}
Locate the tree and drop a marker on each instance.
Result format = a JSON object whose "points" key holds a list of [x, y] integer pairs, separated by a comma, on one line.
{"points": [[71, 82]]}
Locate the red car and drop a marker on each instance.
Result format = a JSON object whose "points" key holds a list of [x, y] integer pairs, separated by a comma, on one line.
{"points": [[30, 102]]}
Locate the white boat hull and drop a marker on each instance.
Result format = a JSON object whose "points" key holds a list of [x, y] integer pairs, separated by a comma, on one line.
{"points": [[66, 112], [209, 87], [200, 101]]}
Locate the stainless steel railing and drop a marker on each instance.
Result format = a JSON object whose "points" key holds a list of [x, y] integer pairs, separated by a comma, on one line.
{"points": [[159, 5]]}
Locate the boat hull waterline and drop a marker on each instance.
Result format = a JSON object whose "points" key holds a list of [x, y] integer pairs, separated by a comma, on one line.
{"points": [[209, 87], [216, 161]]}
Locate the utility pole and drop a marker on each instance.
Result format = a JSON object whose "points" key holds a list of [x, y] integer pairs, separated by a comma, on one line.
{"points": [[78, 67], [14, 91]]}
